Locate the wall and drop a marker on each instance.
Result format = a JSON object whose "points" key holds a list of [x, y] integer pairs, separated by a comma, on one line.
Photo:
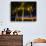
{"points": [[30, 30]]}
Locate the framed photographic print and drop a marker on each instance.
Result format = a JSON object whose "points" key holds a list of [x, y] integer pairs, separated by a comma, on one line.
{"points": [[23, 11]]}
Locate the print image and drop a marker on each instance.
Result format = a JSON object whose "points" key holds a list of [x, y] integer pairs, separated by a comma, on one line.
{"points": [[23, 11]]}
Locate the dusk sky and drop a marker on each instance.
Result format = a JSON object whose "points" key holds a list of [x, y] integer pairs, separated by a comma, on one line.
{"points": [[31, 30]]}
